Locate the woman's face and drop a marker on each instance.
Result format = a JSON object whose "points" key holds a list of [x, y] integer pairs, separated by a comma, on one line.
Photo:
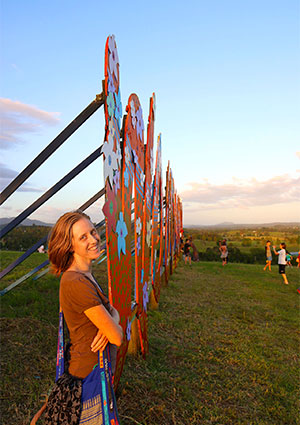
{"points": [[85, 240]]}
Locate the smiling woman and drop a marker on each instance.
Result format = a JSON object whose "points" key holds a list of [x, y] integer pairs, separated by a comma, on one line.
{"points": [[93, 323]]}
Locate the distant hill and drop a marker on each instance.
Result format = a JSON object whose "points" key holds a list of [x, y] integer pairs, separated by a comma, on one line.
{"points": [[26, 222], [229, 225]]}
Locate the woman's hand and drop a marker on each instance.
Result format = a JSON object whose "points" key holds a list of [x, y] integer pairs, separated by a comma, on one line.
{"points": [[99, 342]]}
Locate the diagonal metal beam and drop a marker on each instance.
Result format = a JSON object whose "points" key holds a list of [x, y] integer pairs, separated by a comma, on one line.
{"points": [[26, 276], [92, 199], [55, 144], [42, 241], [54, 189], [23, 257]]}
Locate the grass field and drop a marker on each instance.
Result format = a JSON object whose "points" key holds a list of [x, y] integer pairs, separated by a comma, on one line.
{"points": [[224, 348]]}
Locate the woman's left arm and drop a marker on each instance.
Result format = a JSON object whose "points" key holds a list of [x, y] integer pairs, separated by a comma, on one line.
{"points": [[100, 341], [106, 324]]}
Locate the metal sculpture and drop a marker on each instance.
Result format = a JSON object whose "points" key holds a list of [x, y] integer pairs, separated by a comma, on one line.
{"points": [[128, 163], [147, 230], [116, 216], [133, 172], [167, 225], [157, 225]]}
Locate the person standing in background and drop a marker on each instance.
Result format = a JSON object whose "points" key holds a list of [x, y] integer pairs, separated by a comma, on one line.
{"points": [[224, 252], [268, 255], [281, 260], [289, 259], [298, 260], [187, 252]]}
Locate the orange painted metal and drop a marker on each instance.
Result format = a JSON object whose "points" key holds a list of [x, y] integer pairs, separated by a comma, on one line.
{"points": [[167, 225], [157, 225], [133, 141], [147, 232], [118, 266]]}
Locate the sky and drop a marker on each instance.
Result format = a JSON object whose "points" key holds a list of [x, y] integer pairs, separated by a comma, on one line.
{"points": [[226, 78]]}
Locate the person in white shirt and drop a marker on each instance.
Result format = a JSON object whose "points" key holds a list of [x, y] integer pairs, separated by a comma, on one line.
{"points": [[281, 260]]}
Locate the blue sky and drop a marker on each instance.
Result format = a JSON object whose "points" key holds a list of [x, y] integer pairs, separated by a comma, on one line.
{"points": [[226, 79]]}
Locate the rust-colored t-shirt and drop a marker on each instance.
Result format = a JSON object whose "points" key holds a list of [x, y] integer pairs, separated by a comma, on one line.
{"points": [[77, 294]]}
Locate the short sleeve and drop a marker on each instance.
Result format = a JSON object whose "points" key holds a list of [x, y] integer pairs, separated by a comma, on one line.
{"points": [[79, 293]]}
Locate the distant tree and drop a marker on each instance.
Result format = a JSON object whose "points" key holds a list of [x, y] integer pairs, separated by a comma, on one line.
{"points": [[23, 237], [258, 255], [246, 242]]}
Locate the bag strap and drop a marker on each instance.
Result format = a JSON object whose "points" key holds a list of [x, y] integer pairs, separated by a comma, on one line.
{"points": [[60, 354], [100, 292]]}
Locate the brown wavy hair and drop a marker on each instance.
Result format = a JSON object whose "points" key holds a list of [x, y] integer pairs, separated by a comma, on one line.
{"points": [[60, 250]]}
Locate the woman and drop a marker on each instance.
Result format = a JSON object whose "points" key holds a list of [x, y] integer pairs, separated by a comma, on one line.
{"points": [[281, 260], [91, 320], [268, 254]]}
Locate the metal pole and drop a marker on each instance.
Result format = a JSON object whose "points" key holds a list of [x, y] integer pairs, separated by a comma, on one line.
{"points": [[50, 192], [42, 241]]}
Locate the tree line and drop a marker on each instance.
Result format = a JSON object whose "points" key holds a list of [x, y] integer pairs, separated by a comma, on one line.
{"points": [[254, 256], [23, 237]]}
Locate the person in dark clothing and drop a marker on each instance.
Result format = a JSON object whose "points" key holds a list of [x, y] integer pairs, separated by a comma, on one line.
{"points": [[187, 252], [194, 253]]}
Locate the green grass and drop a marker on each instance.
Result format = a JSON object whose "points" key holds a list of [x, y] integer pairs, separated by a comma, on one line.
{"points": [[7, 257], [223, 349]]}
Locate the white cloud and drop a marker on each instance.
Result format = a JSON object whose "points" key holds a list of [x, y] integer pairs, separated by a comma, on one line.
{"points": [[241, 194], [18, 119]]}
